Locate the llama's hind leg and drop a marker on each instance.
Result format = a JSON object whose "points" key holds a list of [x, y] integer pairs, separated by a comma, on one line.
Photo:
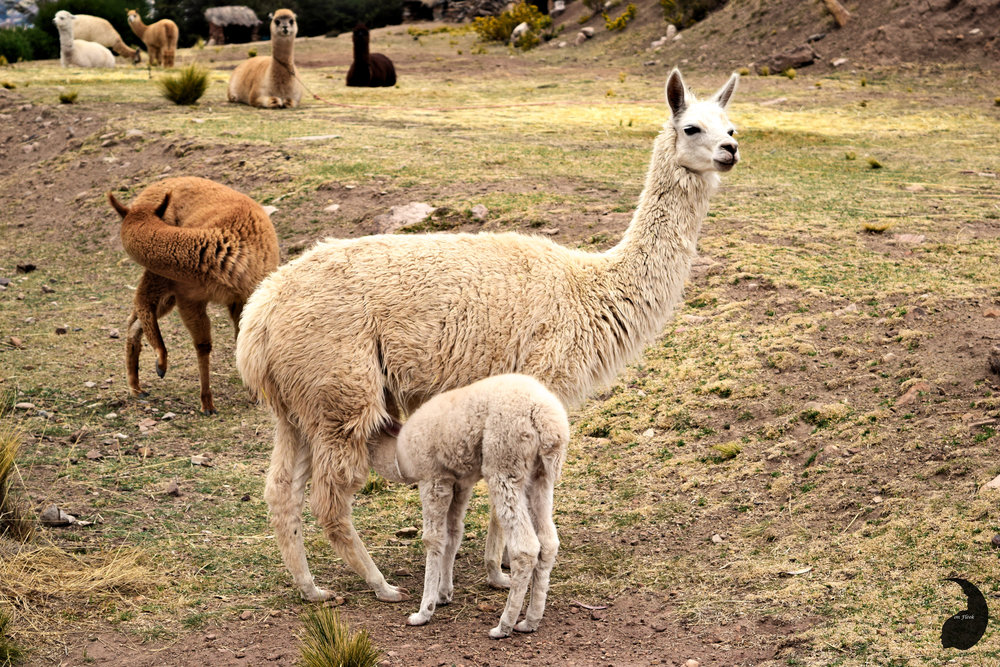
{"points": [[456, 527], [522, 544], [436, 499], [540, 506], [494, 553], [340, 467], [284, 492], [235, 311], [196, 320]]}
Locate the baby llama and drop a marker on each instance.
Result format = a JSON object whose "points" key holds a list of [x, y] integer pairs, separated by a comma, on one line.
{"points": [[160, 38], [78, 52], [355, 332], [199, 242], [270, 81], [369, 69], [510, 431], [96, 29]]}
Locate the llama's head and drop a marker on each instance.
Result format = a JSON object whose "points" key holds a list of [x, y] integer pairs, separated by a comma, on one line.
{"points": [[63, 19], [283, 25], [139, 213], [133, 16], [704, 134], [360, 31]]}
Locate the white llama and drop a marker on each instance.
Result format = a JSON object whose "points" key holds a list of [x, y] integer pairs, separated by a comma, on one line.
{"points": [[354, 332], [79, 52], [510, 431]]}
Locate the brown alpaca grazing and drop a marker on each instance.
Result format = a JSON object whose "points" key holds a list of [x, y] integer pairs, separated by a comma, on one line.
{"points": [[160, 38], [199, 242], [369, 69]]}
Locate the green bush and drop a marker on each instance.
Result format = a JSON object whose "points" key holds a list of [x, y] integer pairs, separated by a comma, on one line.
{"points": [[685, 13], [22, 43], [328, 641], [187, 86], [499, 28], [619, 23]]}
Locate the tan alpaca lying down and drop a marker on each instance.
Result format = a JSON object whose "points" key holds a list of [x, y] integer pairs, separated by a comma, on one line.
{"points": [[270, 81], [510, 431]]}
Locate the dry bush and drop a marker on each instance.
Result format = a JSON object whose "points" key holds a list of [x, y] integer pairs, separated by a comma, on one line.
{"points": [[329, 641], [187, 86]]}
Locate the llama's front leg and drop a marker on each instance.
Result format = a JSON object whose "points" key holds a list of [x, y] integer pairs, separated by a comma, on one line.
{"points": [[540, 506], [235, 311], [494, 553], [456, 527], [196, 319], [284, 492], [339, 469], [522, 545], [436, 498]]}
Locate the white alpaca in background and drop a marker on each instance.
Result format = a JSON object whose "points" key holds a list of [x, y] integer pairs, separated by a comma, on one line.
{"points": [[510, 431], [343, 340], [78, 52]]}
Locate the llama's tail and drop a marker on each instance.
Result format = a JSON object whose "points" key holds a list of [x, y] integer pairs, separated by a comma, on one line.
{"points": [[552, 425]]}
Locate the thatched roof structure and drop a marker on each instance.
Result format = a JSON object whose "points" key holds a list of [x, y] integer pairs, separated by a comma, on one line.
{"points": [[232, 15]]}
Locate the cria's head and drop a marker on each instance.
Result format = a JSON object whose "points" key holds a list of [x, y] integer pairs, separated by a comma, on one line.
{"points": [[62, 18], [283, 24], [704, 134]]}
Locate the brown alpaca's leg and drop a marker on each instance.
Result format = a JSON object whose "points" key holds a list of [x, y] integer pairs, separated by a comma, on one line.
{"points": [[133, 345], [153, 299], [235, 310], [197, 322], [339, 468], [168, 58], [154, 55], [284, 492]]}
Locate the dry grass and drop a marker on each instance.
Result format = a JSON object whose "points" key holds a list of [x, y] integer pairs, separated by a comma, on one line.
{"points": [[329, 641]]}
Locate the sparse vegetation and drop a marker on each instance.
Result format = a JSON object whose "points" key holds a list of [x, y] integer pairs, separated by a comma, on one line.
{"points": [[619, 23], [328, 642], [68, 97], [10, 653], [186, 87], [499, 28]]}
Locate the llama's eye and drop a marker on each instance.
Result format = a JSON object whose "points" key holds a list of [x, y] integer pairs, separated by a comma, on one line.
{"points": [[731, 132], [691, 130]]}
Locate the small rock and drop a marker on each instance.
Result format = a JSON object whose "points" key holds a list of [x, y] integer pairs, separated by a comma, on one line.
{"points": [[270, 210], [588, 32], [61, 331], [549, 231], [53, 516], [991, 312], [911, 393], [846, 310], [113, 333], [246, 615], [579, 39], [916, 187], [407, 532], [167, 416], [909, 239], [994, 360], [173, 489], [659, 625], [16, 342], [335, 601], [201, 460], [519, 32], [144, 452], [133, 134], [486, 607], [332, 208], [671, 31], [718, 539], [89, 385], [402, 216], [402, 572], [245, 498], [24, 406], [95, 455], [996, 541], [479, 212], [47, 289], [839, 62], [692, 663], [598, 615], [27, 267], [649, 433], [210, 637], [111, 415]]}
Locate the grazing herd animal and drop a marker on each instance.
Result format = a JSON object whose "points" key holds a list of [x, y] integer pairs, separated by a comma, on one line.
{"points": [[160, 38], [370, 70], [343, 340], [511, 431], [97, 29], [199, 242], [78, 52], [270, 81]]}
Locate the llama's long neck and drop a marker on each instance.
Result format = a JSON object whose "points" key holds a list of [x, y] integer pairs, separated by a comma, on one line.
{"points": [[138, 27], [282, 50], [361, 49], [643, 277], [66, 41]]}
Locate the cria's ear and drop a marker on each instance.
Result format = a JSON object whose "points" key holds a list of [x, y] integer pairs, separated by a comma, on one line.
{"points": [[161, 210], [117, 205], [270, 16], [676, 93], [722, 97]]}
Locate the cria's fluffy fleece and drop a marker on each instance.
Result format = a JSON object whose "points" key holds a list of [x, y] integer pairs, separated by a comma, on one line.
{"points": [[346, 338], [78, 52]]}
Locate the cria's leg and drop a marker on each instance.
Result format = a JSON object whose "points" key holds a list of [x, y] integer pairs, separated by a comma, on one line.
{"points": [[153, 300], [235, 310], [196, 320], [284, 492], [540, 506], [339, 468], [494, 553], [456, 527], [436, 499], [522, 544]]}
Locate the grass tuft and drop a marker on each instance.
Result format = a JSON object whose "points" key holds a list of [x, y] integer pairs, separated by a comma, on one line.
{"points": [[328, 641], [69, 97], [8, 85], [10, 653], [876, 227], [14, 524], [187, 86], [874, 164]]}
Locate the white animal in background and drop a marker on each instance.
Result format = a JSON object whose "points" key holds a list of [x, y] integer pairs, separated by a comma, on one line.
{"points": [[78, 52]]}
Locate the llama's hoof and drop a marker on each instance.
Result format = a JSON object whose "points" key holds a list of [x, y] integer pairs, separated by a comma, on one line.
{"points": [[210, 412], [418, 618], [445, 598], [525, 626], [499, 633], [316, 594], [499, 580], [161, 370], [393, 594]]}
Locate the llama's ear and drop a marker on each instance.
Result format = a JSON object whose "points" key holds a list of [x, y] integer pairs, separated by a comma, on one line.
{"points": [[270, 16], [117, 205], [161, 210], [676, 92], [726, 92]]}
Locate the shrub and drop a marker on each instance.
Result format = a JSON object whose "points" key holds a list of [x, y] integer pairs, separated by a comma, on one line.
{"points": [[14, 524], [187, 86], [68, 98], [790, 73], [764, 70], [684, 13], [622, 21], [499, 28], [251, 53], [22, 43], [10, 654], [328, 641]]}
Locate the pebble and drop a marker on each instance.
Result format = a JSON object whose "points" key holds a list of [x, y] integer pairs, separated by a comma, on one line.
{"points": [[479, 212], [111, 415], [89, 385], [718, 539], [246, 615], [61, 331], [692, 663], [408, 531], [167, 416], [173, 489], [16, 342], [95, 455], [113, 333], [996, 541], [24, 406]]}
